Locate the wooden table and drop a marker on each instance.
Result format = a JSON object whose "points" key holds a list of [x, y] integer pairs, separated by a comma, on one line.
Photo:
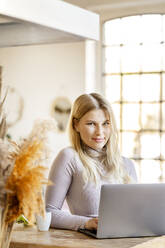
{"points": [[29, 237]]}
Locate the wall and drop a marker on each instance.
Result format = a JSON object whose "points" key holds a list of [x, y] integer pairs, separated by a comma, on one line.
{"points": [[40, 74]]}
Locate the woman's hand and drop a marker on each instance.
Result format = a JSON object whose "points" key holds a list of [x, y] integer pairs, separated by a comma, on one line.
{"points": [[91, 224]]}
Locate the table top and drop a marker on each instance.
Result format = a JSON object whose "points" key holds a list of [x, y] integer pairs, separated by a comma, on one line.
{"points": [[30, 237]]}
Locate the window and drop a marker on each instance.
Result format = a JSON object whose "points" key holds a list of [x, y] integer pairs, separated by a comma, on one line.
{"points": [[134, 82]]}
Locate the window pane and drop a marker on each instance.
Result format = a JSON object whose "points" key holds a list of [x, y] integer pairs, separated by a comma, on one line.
{"points": [[163, 166], [131, 30], [163, 54], [150, 116], [131, 88], [112, 59], [151, 57], [163, 93], [151, 28], [163, 115], [116, 111], [130, 118], [112, 86], [111, 36], [150, 145], [148, 82], [137, 56], [129, 138], [163, 145], [130, 59], [150, 171], [137, 168]]}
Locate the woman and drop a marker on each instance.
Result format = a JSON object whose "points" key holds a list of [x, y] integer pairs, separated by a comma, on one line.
{"points": [[94, 159]]}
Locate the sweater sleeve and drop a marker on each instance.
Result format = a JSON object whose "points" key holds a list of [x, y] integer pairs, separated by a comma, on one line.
{"points": [[61, 177]]}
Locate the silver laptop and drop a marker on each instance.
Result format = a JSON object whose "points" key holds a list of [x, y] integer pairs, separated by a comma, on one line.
{"points": [[131, 210]]}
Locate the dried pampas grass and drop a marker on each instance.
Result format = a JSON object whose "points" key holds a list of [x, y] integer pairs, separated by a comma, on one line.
{"points": [[25, 182], [23, 185]]}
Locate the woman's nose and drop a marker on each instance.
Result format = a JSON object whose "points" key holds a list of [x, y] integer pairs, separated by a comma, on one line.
{"points": [[99, 129]]}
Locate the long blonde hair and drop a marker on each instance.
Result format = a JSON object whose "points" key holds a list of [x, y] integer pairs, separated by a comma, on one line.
{"points": [[113, 160]]}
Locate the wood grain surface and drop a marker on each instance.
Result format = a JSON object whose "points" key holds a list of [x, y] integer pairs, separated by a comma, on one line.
{"points": [[30, 237]]}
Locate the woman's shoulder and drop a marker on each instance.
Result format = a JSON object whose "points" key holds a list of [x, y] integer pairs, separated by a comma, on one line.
{"points": [[64, 160], [130, 167], [127, 161], [67, 153], [70, 156]]}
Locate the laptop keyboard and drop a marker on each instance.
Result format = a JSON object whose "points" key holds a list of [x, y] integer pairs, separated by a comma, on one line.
{"points": [[89, 232], [92, 231]]}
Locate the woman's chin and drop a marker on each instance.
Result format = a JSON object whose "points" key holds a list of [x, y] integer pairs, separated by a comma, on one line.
{"points": [[98, 147]]}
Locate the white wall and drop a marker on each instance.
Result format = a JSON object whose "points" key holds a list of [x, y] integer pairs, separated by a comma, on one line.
{"points": [[40, 74]]}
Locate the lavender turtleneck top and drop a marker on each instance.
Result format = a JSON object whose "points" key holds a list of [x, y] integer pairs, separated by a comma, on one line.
{"points": [[68, 183]]}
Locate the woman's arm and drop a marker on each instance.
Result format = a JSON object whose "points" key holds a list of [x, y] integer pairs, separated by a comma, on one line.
{"points": [[61, 176]]}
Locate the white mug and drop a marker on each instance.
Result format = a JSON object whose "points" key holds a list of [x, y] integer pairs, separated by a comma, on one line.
{"points": [[43, 223]]}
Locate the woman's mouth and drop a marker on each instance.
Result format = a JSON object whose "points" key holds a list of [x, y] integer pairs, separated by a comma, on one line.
{"points": [[98, 140]]}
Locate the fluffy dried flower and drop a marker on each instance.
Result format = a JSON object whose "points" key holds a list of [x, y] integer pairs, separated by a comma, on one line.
{"points": [[28, 175], [25, 182], [41, 129]]}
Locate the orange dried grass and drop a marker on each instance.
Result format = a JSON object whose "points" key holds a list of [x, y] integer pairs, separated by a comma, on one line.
{"points": [[25, 183]]}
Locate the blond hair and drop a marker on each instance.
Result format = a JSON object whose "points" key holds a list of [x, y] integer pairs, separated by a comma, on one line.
{"points": [[113, 160]]}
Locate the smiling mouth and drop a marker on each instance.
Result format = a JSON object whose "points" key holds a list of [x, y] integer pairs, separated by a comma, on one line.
{"points": [[98, 140]]}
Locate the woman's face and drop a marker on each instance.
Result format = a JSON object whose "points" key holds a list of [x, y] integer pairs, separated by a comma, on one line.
{"points": [[94, 128]]}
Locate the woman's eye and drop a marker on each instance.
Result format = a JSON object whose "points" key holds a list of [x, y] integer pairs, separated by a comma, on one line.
{"points": [[90, 123], [107, 123]]}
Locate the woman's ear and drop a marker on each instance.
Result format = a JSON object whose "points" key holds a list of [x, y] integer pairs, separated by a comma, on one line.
{"points": [[75, 124]]}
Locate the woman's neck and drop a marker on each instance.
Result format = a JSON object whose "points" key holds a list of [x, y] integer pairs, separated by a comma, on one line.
{"points": [[94, 153]]}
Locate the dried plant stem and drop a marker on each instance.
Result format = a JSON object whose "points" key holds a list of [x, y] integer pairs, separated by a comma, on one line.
{"points": [[6, 238], [1, 214], [6, 228]]}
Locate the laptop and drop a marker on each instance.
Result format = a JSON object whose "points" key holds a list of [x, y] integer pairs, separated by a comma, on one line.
{"points": [[130, 210]]}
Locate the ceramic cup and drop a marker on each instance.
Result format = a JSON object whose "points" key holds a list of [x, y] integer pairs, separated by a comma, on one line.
{"points": [[43, 223]]}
